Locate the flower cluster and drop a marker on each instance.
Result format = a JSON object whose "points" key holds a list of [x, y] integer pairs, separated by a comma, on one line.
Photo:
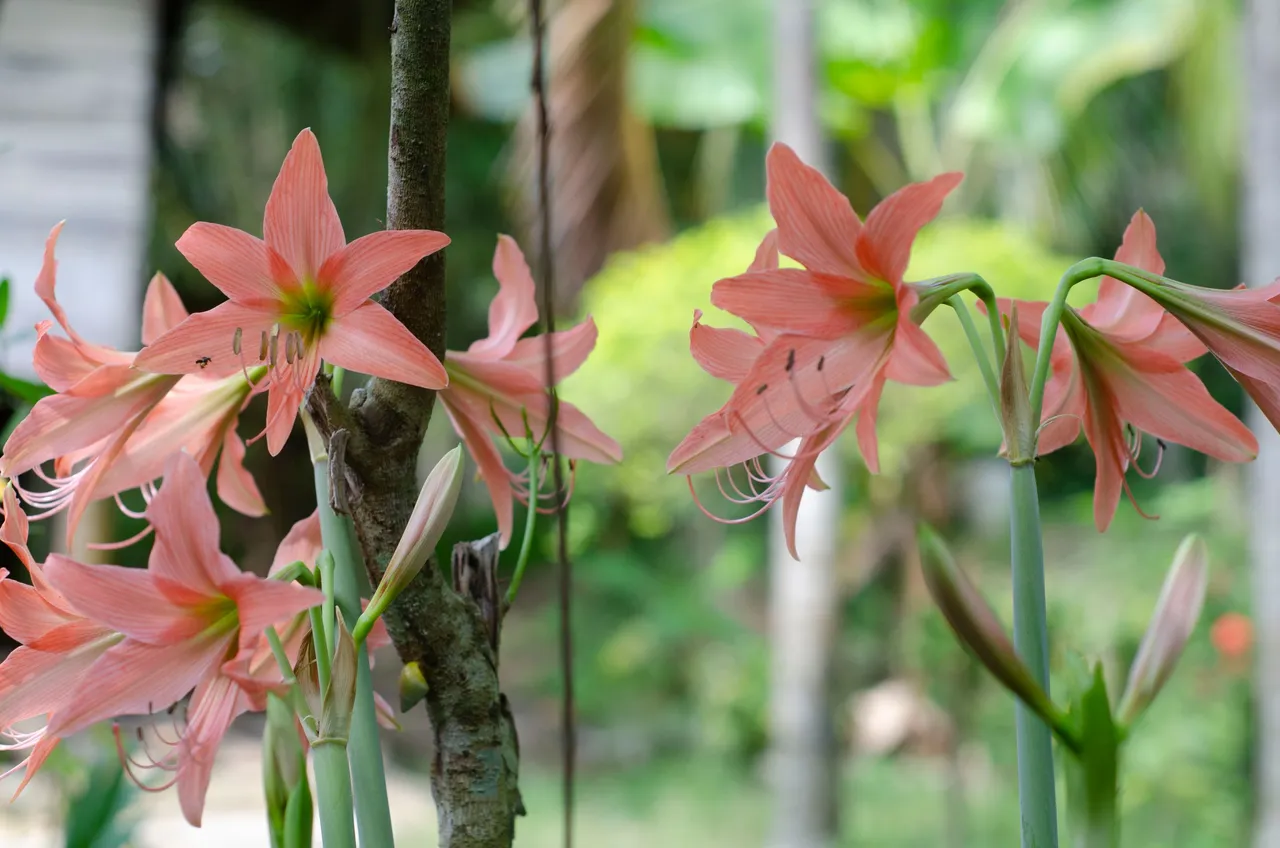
{"points": [[827, 337], [102, 641], [829, 334]]}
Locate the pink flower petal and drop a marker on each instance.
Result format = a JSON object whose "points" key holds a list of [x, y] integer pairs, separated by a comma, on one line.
{"points": [[371, 263], [125, 599], [301, 223], [868, 408], [242, 266], [301, 543], [816, 225], [372, 341], [14, 531], [569, 348], [262, 603], [25, 615], [884, 245], [204, 342], [489, 462], [110, 399], [915, 358], [514, 309], [725, 353], [58, 362], [798, 474], [134, 677], [186, 548], [766, 257], [214, 705], [803, 302], [1123, 311], [1163, 398], [283, 401], [162, 309], [35, 683], [236, 486], [790, 392]]}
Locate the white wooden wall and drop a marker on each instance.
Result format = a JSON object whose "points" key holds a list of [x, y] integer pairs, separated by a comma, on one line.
{"points": [[76, 82]]}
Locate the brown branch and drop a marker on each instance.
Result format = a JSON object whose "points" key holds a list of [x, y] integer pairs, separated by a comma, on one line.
{"points": [[473, 775], [547, 268]]}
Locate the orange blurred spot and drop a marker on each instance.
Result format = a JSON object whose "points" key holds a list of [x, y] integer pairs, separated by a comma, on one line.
{"points": [[1232, 635]]}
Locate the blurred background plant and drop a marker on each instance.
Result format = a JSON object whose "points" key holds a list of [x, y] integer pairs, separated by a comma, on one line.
{"points": [[1065, 116]]}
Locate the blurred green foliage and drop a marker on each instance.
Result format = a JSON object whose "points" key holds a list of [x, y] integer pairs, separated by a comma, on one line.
{"points": [[1066, 116]]}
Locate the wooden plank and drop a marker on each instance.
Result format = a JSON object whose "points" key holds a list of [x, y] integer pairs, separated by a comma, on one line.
{"points": [[76, 87]]}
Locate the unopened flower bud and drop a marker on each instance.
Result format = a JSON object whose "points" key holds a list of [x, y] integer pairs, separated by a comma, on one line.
{"points": [[1174, 618], [284, 773], [978, 628], [426, 525]]}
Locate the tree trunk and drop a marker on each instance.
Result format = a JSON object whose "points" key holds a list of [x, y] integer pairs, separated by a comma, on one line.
{"points": [[1261, 259], [474, 774], [803, 757]]}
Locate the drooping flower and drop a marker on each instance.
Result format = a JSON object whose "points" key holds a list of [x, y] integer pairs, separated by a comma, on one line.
{"points": [[1119, 372], [56, 647], [298, 295], [1240, 327], [841, 324], [187, 619], [497, 387], [111, 427]]}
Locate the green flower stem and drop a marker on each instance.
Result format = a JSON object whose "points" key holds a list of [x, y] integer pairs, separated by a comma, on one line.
{"points": [[530, 521], [327, 582], [324, 648], [339, 376], [282, 658], [937, 291], [1085, 269], [1036, 794], [984, 361], [333, 794], [373, 811]]}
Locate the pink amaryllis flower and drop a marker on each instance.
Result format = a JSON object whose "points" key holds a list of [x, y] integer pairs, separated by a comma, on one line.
{"points": [[496, 387], [110, 427], [1118, 372], [298, 295], [842, 322], [1240, 327], [730, 354], [56, 646], [186, 620]]}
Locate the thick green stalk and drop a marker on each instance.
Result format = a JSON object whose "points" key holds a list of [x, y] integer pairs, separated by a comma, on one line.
{"points": [[333, 794], [1031, 640], [373, 811]]}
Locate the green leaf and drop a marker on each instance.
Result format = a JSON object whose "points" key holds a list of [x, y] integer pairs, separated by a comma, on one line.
{"points": [[93, 815], [4, 300], [1094, 772], [298, 816], [24, 390]]}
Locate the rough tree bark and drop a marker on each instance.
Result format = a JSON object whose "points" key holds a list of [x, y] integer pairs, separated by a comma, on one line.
{"points": [[1261, 258], [803, 755], [474, 774]]}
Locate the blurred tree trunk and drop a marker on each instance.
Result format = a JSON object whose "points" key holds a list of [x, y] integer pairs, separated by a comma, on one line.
{"points": [[606, 193], [803, 757], [1261, 260]]}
